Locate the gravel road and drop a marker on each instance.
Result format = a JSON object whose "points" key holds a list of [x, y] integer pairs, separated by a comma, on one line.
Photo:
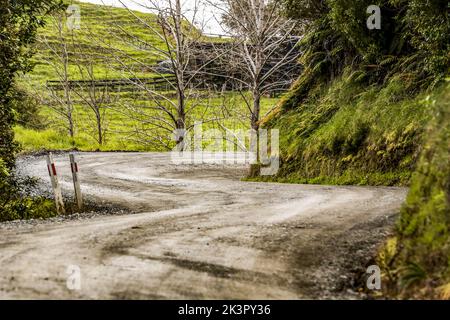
{"points": [[196, 232]]}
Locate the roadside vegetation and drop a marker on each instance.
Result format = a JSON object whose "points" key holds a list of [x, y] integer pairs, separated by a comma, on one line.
{"points": [[19, 21], [358, 112], [371, 107], [416, 262]]}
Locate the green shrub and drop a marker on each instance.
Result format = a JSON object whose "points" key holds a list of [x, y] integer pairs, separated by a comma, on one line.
{"points": [[14, 204], [19, 21], [414, 39]]}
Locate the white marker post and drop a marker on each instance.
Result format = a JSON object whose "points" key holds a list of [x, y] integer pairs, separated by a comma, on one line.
{"points": [[76, 181], [55, 184]]}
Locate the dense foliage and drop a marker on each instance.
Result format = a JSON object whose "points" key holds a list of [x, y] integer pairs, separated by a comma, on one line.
{"points": [[424, 228], [414, 39], [19, 21]]}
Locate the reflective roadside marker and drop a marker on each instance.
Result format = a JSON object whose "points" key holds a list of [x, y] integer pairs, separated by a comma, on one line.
{"points": [[76, 181], [55, 184]]}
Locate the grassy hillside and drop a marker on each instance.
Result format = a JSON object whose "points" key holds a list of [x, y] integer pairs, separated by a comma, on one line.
{"points": [[101, 36], [99, 43], [348, 133], [108, 33]]}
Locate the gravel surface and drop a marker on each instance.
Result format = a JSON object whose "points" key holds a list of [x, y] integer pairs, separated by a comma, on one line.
{"points": [[196, 232]]}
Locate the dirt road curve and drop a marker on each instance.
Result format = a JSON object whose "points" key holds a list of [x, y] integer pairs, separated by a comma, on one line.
{"points": [[199, 233]]}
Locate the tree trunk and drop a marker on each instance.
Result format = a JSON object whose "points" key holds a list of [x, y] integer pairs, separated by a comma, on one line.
{"points": [[65, 59], [181, 129], [255, 168], [99, 127], [180, 59], [256, 110], [71, 126]]}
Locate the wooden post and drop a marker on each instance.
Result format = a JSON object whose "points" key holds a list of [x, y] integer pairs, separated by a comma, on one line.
{"points": [[76, 181], [55, 184]]}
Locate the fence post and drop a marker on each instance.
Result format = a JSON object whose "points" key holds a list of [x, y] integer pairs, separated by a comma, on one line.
{"points": [[55, 184], [76, 181]]}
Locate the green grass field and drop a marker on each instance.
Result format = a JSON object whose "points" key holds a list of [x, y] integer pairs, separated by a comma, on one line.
{"points": [[122, 125]]}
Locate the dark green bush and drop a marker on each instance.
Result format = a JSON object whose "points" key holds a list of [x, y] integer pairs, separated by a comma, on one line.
{"points": [[414, 39], [19, 22]]}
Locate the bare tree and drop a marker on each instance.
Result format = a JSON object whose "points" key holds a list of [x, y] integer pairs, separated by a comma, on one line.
{"points": [[178, 104], [60, 94], [264, 52], [76, 80], [97, 97]]}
